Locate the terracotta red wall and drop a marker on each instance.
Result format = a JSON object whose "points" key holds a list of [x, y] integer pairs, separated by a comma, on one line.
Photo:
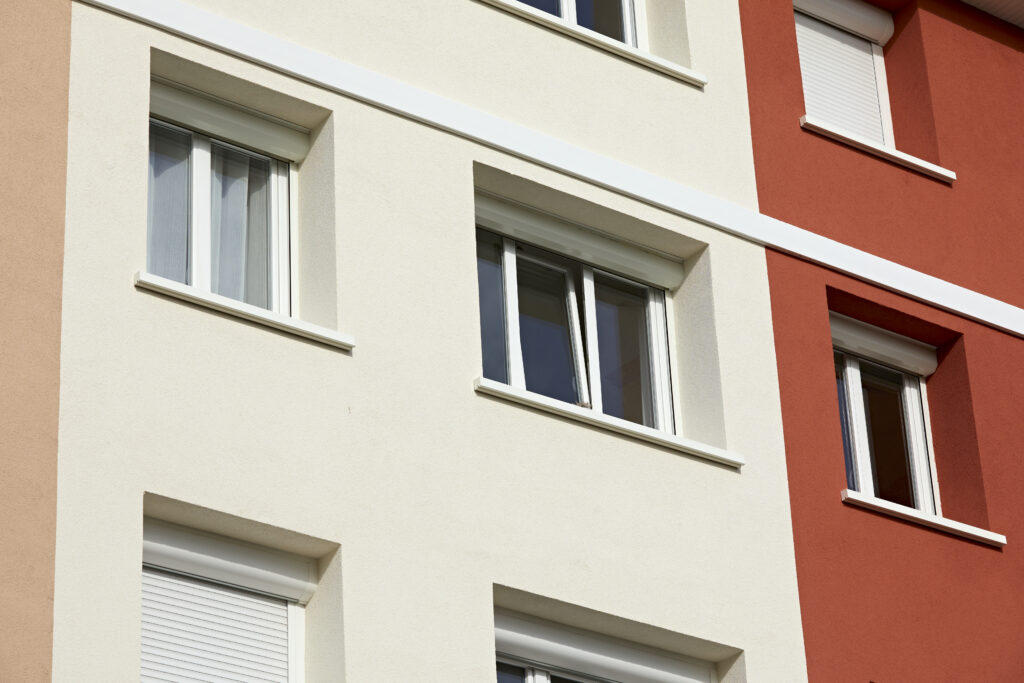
{"points": [[956, 80], [885, 600]]}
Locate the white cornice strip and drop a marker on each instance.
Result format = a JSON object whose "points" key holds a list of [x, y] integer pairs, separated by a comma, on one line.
{"points": [[353, 81]]}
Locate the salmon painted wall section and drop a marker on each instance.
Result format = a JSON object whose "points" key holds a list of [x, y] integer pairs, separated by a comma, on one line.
{"points": [[885, 600], [956, 83], [34, 51]]}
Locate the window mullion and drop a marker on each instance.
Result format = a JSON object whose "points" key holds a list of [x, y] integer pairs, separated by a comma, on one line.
{"points": [[593, 353], [280, 239], [629, 35], [296, 643], [579, 360], [657, 322], [539, 676], [858, 426], [200, 237], [569, 11], [882, 86], [638, 15], [516, 373], [917, 445]]}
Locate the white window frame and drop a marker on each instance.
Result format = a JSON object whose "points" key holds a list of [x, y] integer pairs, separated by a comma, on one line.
{"points": [[914, 361], [209, 119], [545, 648], [217, 559], [605, 254], [567, 13], [279, 244], [587, 360]]}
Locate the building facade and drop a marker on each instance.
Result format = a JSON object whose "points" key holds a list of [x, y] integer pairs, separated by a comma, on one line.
{"points": [[443, 341], [919, 586]]}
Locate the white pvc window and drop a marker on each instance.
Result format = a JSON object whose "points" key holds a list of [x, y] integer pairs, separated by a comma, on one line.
{"points": [[218, 217], [573, 332], [844, 79], [612, 18], [880, 383]]}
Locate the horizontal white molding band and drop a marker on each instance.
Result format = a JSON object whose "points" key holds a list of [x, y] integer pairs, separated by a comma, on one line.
{"points": [[547, 643], [240, 309], [225, 560], [909, 514], [854, 16], [613, 424], [871, 147], [883, 346], [420, 105]]}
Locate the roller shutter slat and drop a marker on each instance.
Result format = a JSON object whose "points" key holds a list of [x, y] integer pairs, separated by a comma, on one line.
{"points": [[196, 631], [840, 85]]}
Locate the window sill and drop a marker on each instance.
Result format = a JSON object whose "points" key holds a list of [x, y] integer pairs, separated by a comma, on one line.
{"points": [[664, 66], [244, 311], [934, 521], [889, 153], [613, 424]]}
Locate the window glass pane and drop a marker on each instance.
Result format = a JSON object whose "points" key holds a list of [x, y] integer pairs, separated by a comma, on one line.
{"points": [[623, 348], [240, 226], [549, 6], [167, 240], [544, 331], [492, 306], [510, 674], [844, 421], [603, 16], [883, 405]]}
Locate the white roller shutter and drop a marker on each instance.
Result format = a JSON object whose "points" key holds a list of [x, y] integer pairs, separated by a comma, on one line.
{"points": [[197, 631], [841, 86]]}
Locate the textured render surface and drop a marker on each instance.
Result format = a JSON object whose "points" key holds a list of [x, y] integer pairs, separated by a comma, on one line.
{"points": [[884, 599], [435, 494], [33, 135], [487, 58], [956, 83]]}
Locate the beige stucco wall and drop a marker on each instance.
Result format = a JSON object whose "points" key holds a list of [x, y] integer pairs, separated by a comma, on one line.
{"points": [[433, 493], [33, 136], [483, 56]]}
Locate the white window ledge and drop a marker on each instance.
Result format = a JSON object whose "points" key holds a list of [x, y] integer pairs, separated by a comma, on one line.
{"points": [[612, 424], [934, 521], [677, 71], [245, 311], [889, 153]]}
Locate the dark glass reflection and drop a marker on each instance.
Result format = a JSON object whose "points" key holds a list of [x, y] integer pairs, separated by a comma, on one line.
{"points": [[510, 674], [883, 407], [622, 343], [549, 6], [544, 331], [603, 16], [844, 422], [167, 244], [492, 306]]}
